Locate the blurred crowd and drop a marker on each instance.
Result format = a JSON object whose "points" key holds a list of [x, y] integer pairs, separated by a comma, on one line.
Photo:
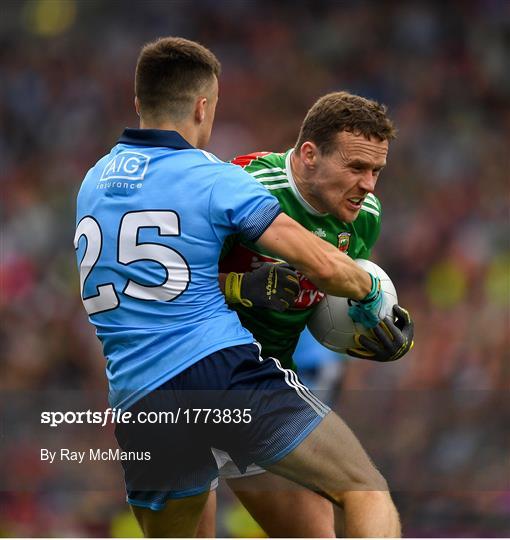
{"points": [[437, 420]]}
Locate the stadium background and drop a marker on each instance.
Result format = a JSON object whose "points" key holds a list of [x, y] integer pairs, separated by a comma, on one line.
{"points": [[437, 421]]}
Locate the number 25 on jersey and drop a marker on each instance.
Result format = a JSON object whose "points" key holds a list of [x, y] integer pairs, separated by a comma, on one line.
{"points": [[130, 250]]}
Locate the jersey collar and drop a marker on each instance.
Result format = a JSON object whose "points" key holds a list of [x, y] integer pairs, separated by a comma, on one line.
{"points": [[306, 205], [154, 137]]}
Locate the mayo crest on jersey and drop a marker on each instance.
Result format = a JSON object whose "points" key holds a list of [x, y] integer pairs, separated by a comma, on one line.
{"points": [[278, 333], [152, 217]]}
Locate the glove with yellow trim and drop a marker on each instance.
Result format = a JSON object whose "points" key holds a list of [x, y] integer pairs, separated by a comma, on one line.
{"points": [[390, 339], [273, 286]]}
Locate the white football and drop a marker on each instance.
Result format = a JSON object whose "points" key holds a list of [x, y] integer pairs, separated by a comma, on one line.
{"points": [[330, 323]]}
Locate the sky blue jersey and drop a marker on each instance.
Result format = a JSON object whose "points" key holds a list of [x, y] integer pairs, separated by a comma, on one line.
{"points": [[152, 216]]}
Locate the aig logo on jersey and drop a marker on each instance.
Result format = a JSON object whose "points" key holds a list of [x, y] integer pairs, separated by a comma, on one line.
{"points": [[344, 239], [124, 170]]}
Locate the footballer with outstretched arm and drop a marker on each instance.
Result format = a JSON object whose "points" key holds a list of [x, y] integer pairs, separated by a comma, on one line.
{"points": [[152, 216]]}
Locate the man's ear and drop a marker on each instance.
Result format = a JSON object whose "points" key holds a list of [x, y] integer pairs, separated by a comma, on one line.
{"points": [[137, 105], [200, 107], [309, 154]]}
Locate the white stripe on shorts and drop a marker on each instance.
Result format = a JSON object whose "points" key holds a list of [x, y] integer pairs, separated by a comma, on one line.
{"points": [[305, 389], [259, 347], [302, 391]]}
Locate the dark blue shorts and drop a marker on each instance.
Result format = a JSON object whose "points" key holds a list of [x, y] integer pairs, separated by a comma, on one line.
{"points": [[232, 400]]}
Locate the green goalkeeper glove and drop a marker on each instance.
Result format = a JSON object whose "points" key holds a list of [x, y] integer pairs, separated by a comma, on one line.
{"points": [[273, 286], [390, 340]]}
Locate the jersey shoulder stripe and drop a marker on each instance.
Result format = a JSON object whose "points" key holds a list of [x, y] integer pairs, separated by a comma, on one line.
{"points": [[277, 186], [372, 200], [370, 210], [268, 179], [268, 168], [372, 205], [268, 171]]}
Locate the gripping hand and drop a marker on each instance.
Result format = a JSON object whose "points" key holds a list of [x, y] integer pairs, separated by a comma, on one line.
{"points": [[273, 286], [390, 340], [367, 311]]}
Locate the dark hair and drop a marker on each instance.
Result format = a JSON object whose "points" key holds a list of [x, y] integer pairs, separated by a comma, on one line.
{"points": [[170, 72], [342, 111]]}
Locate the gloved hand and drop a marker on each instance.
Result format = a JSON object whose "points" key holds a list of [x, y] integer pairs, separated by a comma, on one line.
{"points": [[390, 340], [368, 310], [273, 286]]}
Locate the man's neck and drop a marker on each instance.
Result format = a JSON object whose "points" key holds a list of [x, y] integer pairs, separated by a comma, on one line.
{"points": [[301, 179], [185, 130]]}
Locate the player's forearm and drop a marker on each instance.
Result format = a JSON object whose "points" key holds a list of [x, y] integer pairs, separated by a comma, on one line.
{"points": [[335, 273], [330, 269]]}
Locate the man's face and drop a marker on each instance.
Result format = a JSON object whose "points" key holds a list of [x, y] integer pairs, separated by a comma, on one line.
{"points": [[342, 179], [211, 93]]}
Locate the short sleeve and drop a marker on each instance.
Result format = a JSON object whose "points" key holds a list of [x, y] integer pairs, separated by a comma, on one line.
{"points": [[239, 204], [372, 227]]}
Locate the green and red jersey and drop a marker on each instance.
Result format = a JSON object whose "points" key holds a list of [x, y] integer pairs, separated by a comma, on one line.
{"points": [[278, 333]]}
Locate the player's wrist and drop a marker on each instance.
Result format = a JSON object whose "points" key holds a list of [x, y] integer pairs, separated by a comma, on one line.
{"points": [[367, 310], [375, 290], [233, 283]]}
